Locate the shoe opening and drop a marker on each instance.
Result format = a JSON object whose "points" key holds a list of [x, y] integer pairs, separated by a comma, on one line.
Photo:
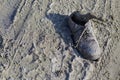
{"points": [[78, 19], [81, 19]]}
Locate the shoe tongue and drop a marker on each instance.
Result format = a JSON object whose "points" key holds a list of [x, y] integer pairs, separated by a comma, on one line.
{"points": [[78, 28], [89, 26]]}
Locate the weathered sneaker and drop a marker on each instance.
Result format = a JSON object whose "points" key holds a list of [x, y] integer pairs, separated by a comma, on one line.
{"points": [[83, 36]]}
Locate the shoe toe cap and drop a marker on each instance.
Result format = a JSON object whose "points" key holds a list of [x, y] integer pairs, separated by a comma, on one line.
{"points": [[90, 50]]}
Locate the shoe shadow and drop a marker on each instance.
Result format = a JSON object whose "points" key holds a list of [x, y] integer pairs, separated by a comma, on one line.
{"points": [[61, 26]]}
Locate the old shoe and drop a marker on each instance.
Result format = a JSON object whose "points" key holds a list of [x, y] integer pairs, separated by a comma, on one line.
{"points": [[83, 36]]}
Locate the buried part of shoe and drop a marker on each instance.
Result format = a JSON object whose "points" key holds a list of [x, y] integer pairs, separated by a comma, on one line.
{"points": [[83, 36]]}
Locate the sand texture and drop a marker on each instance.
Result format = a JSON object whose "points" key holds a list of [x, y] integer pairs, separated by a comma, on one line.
{"points": [[36, 42]]}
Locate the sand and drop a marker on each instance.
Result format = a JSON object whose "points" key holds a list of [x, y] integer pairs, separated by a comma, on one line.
{"points": [[36, 42]]}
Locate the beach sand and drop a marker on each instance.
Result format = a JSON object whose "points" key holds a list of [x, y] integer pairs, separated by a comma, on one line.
{"points": [[36, 42]]}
